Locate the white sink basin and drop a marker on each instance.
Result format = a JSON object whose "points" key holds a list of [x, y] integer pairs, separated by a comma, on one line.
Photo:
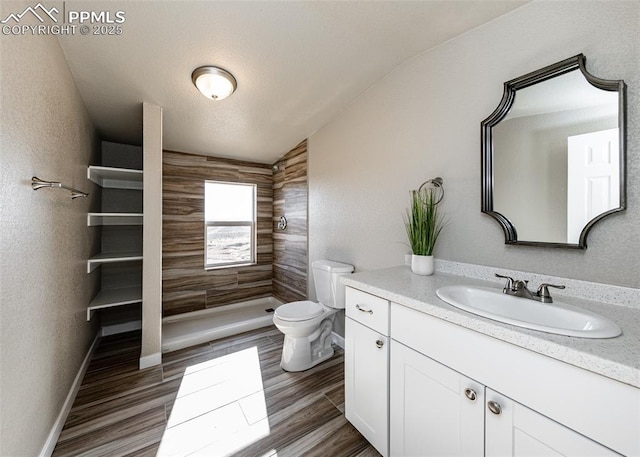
{"points": [[558, 318]]}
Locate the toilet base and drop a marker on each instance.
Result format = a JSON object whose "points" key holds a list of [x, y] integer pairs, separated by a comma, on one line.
{"points": [[300, 354]]}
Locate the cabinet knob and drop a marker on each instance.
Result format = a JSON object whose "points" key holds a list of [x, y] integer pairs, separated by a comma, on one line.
{"points": [[494, 407], [379, 343], [471, 394], [364, 310]]}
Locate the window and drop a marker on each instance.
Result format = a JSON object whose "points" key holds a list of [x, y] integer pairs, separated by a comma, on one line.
{"points": [[230, 224]]}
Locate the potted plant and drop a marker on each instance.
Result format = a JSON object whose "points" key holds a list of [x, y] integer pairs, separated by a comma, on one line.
{"points": [[423, 224]]}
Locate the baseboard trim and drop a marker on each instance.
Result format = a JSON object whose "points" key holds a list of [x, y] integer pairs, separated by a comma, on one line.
{"points": [[337, 339], [54, 434], [150, 360], [121, 328]]}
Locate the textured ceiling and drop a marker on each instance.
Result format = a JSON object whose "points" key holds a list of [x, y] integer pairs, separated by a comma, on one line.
{"points": [[298, 64]]}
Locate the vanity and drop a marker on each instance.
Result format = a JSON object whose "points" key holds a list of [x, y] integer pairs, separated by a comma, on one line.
{"points": [[424, 378]]}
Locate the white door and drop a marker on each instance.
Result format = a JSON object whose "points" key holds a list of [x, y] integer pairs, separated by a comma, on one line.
{"points": [[366, 368], [515, 430], [593, 178], [434, 410]]}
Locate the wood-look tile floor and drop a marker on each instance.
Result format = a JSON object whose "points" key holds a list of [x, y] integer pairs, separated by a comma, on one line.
{"points": [[226, 397]]}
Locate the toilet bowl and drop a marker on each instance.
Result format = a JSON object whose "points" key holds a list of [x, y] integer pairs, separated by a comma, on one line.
{"points": [[307, 325]]}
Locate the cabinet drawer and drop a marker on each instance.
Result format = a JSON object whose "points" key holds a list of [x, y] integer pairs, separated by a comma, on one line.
{"points": [[368, 309]]}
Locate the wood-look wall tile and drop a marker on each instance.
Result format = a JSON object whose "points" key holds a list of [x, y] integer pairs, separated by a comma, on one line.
{"points": [[255, 275], [296, 279], [290, 249], [184, 234], [183, 260], [220, 297], [183, 301], [286, 295]]}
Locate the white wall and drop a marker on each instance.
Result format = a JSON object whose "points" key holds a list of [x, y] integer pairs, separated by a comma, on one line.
{"points": [[44, 239], [423, 120], [150, 354]]}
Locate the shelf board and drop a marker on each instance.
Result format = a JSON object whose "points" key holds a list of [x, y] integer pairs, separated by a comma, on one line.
{"points": [[111, 257], [109, 298], [94, 219], [115, 178]]}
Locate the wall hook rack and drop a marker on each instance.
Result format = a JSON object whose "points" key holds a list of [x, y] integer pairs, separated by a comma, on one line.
{"points": [[37, 183]]}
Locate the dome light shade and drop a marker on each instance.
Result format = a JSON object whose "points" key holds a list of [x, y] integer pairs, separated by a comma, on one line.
{"points": [[213, 82]]}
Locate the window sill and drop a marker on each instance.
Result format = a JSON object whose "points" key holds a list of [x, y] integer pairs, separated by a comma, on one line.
{"points": [[230, 265]]}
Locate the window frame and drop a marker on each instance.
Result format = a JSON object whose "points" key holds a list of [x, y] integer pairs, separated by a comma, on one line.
{"points": [[252, 224]]}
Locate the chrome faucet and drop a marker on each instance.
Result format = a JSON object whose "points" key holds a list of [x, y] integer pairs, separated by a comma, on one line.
{"points": [[519, 288]]}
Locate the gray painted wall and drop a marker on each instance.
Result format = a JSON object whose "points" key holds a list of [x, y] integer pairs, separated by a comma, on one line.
{"points": [[423, 120], [44, 241]]}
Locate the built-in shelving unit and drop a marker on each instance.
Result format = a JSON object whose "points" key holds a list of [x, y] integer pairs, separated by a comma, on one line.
{"points": [[115, 178], [112, 257], [94, 219], [121, 240], [109, 298]]}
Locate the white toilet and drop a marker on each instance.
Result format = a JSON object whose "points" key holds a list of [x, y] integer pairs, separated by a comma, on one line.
{"points": [[307, 325]]}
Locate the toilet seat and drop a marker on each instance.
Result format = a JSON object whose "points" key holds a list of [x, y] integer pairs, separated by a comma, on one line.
{"points": [[299, 311]]}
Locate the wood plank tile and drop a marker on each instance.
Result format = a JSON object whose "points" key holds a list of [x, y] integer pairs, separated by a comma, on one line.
{"points": [[86, 420], [288, 413], [336, 396], [334, 438], [128, 435], [112, 387], [299, 424]]}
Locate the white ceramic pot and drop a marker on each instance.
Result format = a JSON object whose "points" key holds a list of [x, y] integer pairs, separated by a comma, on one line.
{"points": [[422, 264]]}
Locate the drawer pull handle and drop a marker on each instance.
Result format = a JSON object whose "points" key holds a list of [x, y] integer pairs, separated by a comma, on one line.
{"points": [[471, 394], [379, 343], [494, 407], [364, 310]]}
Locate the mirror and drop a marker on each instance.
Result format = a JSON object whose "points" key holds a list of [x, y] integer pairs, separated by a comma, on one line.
{"points": [[553, 155]]}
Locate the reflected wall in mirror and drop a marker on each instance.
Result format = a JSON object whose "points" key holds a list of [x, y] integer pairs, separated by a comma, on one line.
{"points": [[553, 155]]}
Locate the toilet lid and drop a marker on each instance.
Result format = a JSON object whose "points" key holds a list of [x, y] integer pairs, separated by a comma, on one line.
{"points": [[299, 311]]}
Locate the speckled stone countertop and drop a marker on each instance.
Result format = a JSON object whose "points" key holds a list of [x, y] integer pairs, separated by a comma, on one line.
{"points": [[616, 358]]}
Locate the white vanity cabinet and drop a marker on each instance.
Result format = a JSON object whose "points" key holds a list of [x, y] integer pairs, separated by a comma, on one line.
{"points": [[525, 404], [515, 430], [367, 367], [434, 410]]}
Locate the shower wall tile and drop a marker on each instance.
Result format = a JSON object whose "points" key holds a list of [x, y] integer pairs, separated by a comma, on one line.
{"points": [[290, 246], [186, 285]]}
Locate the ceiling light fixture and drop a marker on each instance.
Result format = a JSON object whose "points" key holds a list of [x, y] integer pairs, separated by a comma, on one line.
{"points": [[213, 82]]}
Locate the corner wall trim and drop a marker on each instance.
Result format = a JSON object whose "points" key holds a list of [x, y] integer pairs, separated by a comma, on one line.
{"points": [[150, 360], [56, 429]]}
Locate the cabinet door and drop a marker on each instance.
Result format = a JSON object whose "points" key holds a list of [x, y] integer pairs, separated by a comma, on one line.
{"points": [[515, 430], [435, 411], [366, 367]]}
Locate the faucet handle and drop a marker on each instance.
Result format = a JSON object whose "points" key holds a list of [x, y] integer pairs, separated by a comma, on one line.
{"points": [[510, 281], [543, 292]]}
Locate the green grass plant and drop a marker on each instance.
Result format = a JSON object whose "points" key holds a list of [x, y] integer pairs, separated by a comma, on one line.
{"points": [[423, 222]]}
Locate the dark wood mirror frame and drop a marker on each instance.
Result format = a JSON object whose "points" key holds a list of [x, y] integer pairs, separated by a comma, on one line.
{"points": [[510, 88]]}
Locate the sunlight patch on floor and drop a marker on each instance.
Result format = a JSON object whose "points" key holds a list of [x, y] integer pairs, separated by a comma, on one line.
{"points": [[220, 408]]}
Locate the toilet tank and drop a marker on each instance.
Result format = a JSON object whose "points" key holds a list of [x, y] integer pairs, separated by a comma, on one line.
{"points": [[329, 289]]}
